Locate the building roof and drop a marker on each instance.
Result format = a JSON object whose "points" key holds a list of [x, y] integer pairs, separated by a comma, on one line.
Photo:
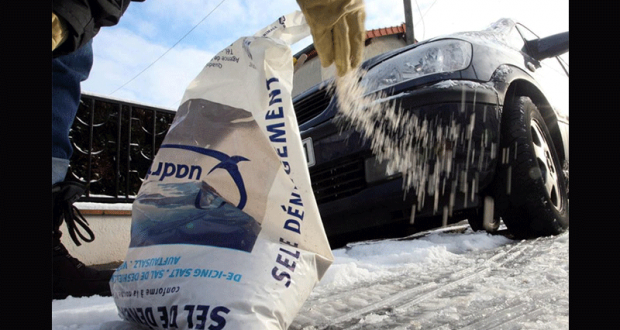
{"points": [[385, 31], [370, 34]]}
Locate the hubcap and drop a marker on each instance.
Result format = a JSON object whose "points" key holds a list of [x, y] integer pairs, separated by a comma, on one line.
{"points": [[548, 169]]}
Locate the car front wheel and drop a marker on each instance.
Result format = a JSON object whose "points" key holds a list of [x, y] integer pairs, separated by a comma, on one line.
{"points": [[531, 173]]}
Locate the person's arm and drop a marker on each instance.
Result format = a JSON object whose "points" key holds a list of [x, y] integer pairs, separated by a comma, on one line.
{"points": [[80, 21], [337, 28]]}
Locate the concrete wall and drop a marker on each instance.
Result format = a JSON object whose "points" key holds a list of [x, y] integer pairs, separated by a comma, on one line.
{"points": [[112, 236], [307, 76], [383, 44], [311, 72]]}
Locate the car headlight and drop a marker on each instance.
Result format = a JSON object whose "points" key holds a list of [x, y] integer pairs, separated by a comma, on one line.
{"points": [[377, 171], [446, 55]]}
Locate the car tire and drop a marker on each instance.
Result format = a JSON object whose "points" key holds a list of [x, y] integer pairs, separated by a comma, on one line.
{"points": [[530, 174]]}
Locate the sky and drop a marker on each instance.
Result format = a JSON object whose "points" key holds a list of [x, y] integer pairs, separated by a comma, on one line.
{"points": [[160, 46], [441, 281]]}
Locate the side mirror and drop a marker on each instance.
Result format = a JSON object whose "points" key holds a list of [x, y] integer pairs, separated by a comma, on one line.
{"points": [[550, 46]]}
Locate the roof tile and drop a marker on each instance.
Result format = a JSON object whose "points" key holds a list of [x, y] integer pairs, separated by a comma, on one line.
{"points": [[373, 34]]}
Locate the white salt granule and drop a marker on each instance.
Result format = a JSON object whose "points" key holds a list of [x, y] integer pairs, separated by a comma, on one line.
{"points": [[409, 144]]}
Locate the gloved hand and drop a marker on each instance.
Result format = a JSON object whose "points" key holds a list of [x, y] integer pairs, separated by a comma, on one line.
{"points": [[337, 27], [59, 31]]}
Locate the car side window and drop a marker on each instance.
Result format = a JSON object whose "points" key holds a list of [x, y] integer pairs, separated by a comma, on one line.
{"points": [[563, 60], [515, 40], [559, 65], [526, 35]]}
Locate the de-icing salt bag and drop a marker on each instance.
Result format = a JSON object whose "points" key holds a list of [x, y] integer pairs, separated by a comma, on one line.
{"points": [[225, 231]]}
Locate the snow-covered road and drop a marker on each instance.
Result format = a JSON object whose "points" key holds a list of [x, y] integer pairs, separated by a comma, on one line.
{"points": [[444, 281], [441, 280]]}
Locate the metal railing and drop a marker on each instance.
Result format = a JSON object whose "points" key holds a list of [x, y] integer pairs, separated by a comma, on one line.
{"points": [[114, 143]]}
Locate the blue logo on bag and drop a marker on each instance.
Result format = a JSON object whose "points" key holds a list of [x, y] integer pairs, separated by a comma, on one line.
{"points": [[228, 163]]}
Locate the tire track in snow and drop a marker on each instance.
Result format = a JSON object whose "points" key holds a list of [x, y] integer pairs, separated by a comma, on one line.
{"points": [[402, 299], [512, 310], [527, 305], [498, 293]]}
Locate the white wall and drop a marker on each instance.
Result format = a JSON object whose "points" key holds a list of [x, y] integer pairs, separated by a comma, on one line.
{"points": [[383, 44], [311, 72], [112, 236]]}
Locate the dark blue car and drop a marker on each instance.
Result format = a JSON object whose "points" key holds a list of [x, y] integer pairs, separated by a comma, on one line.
{"points": [[505, 93]]}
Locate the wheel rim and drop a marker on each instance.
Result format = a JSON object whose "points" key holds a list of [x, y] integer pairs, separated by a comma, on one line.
{"points": [[549, 172]]}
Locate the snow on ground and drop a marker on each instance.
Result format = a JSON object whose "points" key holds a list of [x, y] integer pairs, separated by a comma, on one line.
{"points": [[443, 280]]}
